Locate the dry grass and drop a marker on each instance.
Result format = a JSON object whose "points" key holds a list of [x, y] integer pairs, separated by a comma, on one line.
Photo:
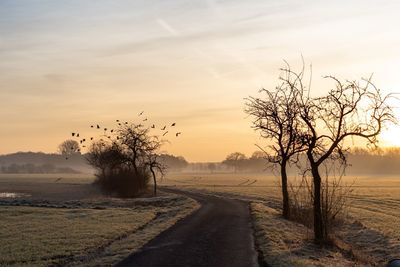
{"points": [[286, 243], [41, 236], [67, 222], [372, 232]]}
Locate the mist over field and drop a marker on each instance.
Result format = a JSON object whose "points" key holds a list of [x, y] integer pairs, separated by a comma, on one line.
{"points": [[361, 162]]}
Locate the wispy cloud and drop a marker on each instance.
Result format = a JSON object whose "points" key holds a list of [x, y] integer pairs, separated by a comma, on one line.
{"points": [[167, 27]]}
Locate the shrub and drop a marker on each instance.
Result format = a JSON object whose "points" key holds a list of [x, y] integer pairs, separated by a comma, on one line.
{"points": [[123, 182], [334, 198]]}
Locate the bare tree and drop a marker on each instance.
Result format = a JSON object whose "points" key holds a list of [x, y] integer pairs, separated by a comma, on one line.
{"points": [[155, 166], [351, 110], [106, 157], [141, 148], [276, 119], [69, 147], [234, 159], [212, 167], [258, 155], [130, 151]]}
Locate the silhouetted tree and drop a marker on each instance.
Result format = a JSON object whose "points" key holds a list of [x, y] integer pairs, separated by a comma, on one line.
{"points": [[173, 162], [129, 152], [234, 159], [212, 166], [258, 155], [68, 147], [276, 119], [351, 109], [155, 166]]}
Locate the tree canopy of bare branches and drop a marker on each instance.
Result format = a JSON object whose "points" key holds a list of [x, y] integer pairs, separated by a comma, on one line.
{"points": [[234, 159], [131, 149], [352, 109], [276, 119], [69, 147]]}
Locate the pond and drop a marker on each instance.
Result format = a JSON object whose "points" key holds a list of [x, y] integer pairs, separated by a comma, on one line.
{"points": [[12, 195]]}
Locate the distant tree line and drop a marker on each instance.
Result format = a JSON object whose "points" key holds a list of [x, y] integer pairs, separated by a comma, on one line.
{"points": [[174, 163], [31, 168], [238, 162], [22, 162], [361, 161]]}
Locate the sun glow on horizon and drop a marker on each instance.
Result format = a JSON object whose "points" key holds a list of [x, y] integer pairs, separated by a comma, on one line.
{"points": [[68, 63], [390, 137]]}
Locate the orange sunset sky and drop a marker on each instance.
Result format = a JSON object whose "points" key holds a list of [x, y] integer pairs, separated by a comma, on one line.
{"points": [[67, 64]]}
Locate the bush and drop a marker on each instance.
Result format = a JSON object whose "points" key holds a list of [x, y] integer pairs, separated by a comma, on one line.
{"points": [[334, 199], [123, 182]]}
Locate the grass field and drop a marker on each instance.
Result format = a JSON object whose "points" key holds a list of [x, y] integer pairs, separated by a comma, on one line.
{"points": [[68, 222], [373, 228], [64, 220], [34, 236]]}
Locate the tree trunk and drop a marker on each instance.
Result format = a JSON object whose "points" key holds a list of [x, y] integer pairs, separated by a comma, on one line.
{"points": [[319, 231], [285, 192], [155, 181]]}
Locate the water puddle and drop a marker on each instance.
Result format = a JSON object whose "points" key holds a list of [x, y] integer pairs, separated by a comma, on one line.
{"points": [[12, 195]]}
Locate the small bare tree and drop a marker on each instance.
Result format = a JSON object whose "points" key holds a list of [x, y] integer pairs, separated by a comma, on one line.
{"points": [[155, 166], [234, 159], [276, 118], [106, 157], [140, 148], [129, 154], [69, 147]]}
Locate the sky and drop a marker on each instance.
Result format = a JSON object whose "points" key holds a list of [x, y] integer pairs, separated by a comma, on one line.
{"points": [[65, 65]]}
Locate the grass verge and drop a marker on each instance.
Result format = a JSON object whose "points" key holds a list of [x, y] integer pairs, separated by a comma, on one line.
{"points": [[54, 236]]}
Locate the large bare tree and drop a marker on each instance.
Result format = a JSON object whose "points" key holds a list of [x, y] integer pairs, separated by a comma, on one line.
{"points": [[350, 110], [276, 119]]}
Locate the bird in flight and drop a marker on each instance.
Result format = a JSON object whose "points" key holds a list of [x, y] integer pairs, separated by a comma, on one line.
{"points": [[141, 113], [177, 134], [163, 128], [173, 124], [165, 133], [145, 119]]}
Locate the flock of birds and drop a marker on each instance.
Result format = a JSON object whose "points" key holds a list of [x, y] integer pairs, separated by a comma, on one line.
{"points": [[120, 123]]}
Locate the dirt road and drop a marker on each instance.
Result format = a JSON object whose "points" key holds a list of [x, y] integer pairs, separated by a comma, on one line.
{"points": [[218, 234]]}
